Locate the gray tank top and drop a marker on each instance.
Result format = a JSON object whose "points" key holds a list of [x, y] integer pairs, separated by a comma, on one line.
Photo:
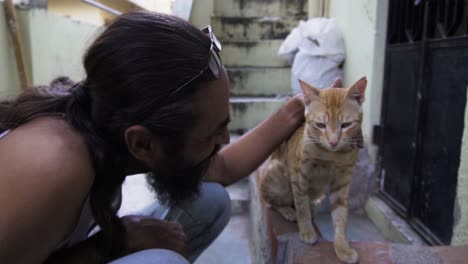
{"points": [[86, 221]]}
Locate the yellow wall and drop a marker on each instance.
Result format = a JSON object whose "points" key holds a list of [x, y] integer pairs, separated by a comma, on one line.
{"points": [[363, 24], [84, 12], [460, 230]]}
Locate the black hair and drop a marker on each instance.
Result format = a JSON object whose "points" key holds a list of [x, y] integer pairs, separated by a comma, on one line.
{"points": [[131, 69]]}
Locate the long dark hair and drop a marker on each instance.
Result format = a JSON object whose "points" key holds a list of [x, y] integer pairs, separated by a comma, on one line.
{"points": [[131, 69]]}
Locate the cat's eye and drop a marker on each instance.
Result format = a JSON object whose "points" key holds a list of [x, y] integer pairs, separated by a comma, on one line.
{"points": [[320, 125], [345, 125]]}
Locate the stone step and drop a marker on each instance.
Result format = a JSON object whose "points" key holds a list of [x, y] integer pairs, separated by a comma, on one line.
{"points": [[275, 240], [255, 8], [240, 196], [246, 113], [232, 246], [262, 53], [253, 28], [255, 81]]}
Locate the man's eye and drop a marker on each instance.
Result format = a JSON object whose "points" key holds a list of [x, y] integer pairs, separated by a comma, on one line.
{"points": [[321, 125], [345, 125]]}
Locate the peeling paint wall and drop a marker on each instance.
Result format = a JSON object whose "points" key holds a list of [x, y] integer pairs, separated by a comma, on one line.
{"points": [[460, 230], [364, 24], [202, 10]]}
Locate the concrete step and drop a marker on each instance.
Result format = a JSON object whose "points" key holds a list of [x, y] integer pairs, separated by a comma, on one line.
{"points": [[232, 246], [259, 81], [253, 28], [262, 53], [240, 196], [276, 240], [246, 113], [255, 8]]}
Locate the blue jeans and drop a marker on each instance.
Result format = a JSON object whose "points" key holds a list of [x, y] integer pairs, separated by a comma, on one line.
{"points": [[203, 219]]}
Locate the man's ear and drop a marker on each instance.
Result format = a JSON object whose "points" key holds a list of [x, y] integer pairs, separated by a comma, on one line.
{"points": [[142, 145]]}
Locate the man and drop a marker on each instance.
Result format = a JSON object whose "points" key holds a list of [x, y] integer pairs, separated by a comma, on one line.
{"points": [[155, 100]]}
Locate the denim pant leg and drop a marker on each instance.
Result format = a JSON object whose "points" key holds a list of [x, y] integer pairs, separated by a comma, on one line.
{"points": [[152, 256], [203, 218]]}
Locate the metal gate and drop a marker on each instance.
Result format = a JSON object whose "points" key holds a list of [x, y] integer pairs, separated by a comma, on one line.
{"points": [[425, 83]]}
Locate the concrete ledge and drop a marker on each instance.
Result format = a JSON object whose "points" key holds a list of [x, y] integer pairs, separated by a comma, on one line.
{"points": [[252, 53], [246, 113], [253, 81], [261, 244], [255, 8], [390, 224], [253, 28]]}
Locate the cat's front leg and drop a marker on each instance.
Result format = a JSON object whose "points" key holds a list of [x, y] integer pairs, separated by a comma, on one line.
{"points": [[339, 210], [301, 200]]}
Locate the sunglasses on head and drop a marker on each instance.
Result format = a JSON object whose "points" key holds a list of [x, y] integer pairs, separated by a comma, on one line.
{"points": [[214, 65]]}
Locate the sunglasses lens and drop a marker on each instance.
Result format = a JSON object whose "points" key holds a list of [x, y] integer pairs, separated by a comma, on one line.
{"points": [[216, 42], [215, 64]]}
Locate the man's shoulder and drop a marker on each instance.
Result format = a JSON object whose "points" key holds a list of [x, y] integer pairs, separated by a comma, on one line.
{"points": [[46, 146]]}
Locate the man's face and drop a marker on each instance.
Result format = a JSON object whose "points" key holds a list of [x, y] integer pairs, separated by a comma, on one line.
{"points": [[178, 176]]}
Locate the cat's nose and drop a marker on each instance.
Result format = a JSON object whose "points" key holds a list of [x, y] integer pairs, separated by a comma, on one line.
{"points": [[333, 143]]}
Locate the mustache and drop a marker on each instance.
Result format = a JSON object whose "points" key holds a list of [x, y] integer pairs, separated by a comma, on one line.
{"points": [[206, 161]]}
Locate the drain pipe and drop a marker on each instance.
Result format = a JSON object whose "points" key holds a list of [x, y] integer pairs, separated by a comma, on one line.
{"points": [[13, 28]]}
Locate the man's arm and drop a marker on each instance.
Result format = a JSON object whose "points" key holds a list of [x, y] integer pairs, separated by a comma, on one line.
{"points": [[239, 159]]}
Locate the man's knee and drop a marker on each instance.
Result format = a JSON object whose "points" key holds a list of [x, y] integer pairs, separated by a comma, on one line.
{"points": [[215, 197]]}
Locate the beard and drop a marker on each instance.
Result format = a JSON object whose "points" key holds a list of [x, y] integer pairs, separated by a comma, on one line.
{"points": [[177, 180]]}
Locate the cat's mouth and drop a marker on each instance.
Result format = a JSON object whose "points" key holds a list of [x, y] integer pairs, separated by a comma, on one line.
{"points": [[334, 147]]}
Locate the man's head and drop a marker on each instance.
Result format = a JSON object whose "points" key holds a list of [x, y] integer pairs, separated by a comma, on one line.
{"points": [[155, 98], [176, 174]]}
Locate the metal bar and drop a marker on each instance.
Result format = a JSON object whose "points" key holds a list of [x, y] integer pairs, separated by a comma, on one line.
{"points": [[407, 22], [458, 18], [440, 19], [102, 7], [422, 94], [425, 232], [13, 28]]}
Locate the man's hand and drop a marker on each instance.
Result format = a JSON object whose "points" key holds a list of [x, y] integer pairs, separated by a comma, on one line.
{"points": [[294, 109], [146, 232]]}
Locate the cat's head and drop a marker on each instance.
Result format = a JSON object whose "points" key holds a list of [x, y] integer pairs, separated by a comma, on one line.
{"points": [[334, 115]]}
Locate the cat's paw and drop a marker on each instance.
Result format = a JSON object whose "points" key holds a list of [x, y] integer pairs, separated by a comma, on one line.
{"points": [[288, 213], [347, 254], [308, 237]]}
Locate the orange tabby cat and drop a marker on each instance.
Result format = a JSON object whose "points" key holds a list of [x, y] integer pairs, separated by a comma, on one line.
{"points": [[320, 154]]}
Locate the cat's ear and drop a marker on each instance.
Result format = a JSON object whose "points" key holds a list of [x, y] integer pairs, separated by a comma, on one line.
{"points": [[310, 93], [337, 83], [358, 90]]}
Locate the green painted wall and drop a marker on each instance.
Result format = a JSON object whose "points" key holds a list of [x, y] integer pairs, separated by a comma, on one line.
{"points": [[363, 24], [9, 80], [56, 45], [53, 46], [460, 230]]}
